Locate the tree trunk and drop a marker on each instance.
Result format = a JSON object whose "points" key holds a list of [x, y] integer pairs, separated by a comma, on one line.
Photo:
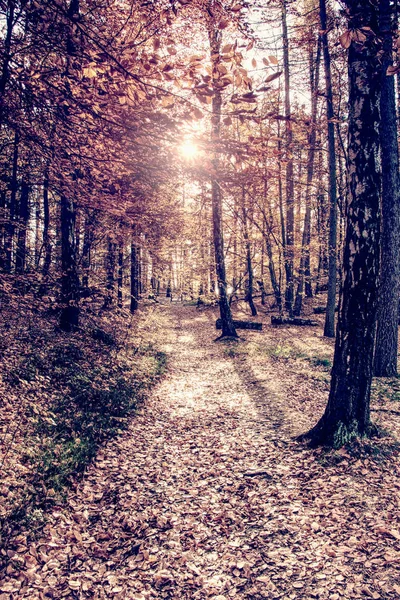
{"points": [[289, 246], [389, 291], [305, 246], [120, 271], [5, 74], [280, 191], [88, 237], [249, 265], [38, 233], [228, 328], [135, 257], [2, 229], [322, 222], [20, 255], [267, 230], [272, 272], [329, 329], [10, 225], [46, 226], [69, 319], [299, 198], [110, 270], [347, 414]]}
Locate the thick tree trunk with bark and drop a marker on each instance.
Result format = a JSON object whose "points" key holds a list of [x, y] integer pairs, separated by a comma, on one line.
{"points": [[347, 414], [389, 291], [329, 329], [69, 319], [228, 328]]}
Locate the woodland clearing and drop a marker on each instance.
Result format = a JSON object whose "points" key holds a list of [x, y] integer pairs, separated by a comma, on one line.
{"points": [[207, 494]]}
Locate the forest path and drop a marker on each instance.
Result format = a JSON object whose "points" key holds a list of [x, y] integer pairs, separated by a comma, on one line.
{"points": [[170, 510]]}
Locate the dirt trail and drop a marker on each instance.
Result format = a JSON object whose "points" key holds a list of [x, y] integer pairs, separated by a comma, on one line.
{"points": [[173, 509]]}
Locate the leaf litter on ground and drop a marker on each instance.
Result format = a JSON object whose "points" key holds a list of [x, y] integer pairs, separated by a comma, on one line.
{"points": [[168, 509]]}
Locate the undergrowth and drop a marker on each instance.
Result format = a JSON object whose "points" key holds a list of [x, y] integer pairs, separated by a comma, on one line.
{"points": [[84, 390]]}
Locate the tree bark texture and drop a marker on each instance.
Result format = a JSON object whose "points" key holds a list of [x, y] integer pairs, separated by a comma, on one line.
{"points": [[228, 328], [329, 329], [347, 414], [389, 291]]}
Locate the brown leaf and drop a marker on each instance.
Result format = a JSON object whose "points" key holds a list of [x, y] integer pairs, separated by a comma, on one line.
{"points": [[346, 39], [273, 76]]}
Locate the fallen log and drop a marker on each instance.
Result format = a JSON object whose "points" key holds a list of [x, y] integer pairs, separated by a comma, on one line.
{"points": [[241, 325], [293, 321], [320, 310]]}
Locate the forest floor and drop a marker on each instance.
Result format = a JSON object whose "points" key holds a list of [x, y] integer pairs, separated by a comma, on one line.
{"points": [[207, 494]]}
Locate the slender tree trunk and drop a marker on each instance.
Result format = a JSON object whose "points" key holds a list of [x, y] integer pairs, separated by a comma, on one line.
{"points": [[305, 247], [5, 72], [267, 235], [329, 329], [20, 255], [262, 287], [299, 198], [235, 244], [142, 269], [88, 237], [280, 192], [46, 226], [110, 270], [69, 319], [2, 229], [289, 247], [347, 414], [228, 328], [389, 292], [322, 221], [135, 258], [38, 233], [120, 271], [271, 267], [249, 265], [10, 226]]}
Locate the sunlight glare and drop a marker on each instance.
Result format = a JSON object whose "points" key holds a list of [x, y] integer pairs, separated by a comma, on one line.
{"points": [[189, 150]]}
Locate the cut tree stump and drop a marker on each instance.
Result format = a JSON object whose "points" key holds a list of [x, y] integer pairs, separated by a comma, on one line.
{"points": [[241, 325], [294, 321]]}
